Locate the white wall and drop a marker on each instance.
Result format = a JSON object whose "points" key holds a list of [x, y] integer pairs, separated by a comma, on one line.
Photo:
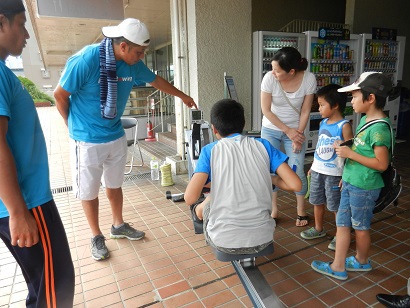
{"points": [[220, 40]]}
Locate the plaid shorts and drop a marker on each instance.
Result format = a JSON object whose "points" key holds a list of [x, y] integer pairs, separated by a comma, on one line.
{"points": [[324, 189]]}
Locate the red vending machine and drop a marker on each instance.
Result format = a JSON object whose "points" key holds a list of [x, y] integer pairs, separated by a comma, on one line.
{"points": [[333, 56], [265, 44], [383, 51]]}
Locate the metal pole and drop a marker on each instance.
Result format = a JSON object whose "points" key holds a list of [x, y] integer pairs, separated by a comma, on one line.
{"points": [[161, 111]]}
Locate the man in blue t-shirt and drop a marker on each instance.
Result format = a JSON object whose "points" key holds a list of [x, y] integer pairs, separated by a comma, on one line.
{"points": [[91, 97], [30, 225]]}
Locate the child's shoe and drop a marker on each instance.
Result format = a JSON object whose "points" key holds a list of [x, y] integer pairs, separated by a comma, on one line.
{"points": [[332, 245], [312, 233], [325, 269], [352, 265]]}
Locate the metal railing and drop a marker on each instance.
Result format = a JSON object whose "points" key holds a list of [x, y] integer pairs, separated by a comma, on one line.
{"points": [[300, 25], [160, 103]]}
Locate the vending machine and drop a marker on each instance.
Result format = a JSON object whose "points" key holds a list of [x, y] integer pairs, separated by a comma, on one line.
{"points": [[312, 128], [265, 44], [334, 57], [383, 51]]}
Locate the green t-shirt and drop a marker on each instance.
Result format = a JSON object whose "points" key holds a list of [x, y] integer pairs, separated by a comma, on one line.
{"points": [[355, 173]]}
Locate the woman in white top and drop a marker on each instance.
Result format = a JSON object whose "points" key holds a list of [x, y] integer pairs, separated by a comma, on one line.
{"points": [[286, 99]]}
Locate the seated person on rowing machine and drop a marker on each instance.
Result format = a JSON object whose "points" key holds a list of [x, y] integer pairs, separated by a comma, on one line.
{"points": [[236, 216]]}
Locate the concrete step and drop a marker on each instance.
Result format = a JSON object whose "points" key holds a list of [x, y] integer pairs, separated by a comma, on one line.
{"points": [[155, 149], [172, 128], [163, 153], [168, 138]]}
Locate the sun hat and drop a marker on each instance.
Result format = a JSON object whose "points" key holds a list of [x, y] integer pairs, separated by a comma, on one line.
{"points": [[11, 6], [373, 82], [132, 29]]}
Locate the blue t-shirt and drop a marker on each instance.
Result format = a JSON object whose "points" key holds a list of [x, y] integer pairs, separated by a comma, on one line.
{"points": [[81, 78], [25, 139]]}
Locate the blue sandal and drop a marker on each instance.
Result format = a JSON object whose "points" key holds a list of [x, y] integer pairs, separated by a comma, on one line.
{"points": [[325, 269], [352, 265]]}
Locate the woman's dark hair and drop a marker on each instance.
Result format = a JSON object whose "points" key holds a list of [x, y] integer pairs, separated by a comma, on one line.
{"points": [[290, 58], [228, 117]]}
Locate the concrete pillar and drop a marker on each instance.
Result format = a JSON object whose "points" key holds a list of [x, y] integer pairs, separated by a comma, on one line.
{"points": [[181, 68], [349, 14], [220, 40], [209, 38]]}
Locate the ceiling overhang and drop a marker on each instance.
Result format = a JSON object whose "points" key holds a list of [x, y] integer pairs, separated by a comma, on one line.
{"points": [[59, 36]]}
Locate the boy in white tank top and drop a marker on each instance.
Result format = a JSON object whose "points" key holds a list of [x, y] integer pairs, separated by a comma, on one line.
{"points": [[327, 167]]}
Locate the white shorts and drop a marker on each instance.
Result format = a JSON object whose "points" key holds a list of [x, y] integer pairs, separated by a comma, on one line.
{"points": [[96, 163]]}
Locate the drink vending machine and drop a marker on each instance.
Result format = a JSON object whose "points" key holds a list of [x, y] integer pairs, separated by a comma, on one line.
{"points": [[338, 60], [265, 44], [386, 56], [332, 60]]}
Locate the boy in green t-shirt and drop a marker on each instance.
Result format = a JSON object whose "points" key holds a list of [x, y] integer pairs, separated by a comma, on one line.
{"points": [[368, 157]]}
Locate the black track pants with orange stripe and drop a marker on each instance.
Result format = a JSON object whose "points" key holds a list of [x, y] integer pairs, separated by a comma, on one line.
{"points": [[47, 266]]}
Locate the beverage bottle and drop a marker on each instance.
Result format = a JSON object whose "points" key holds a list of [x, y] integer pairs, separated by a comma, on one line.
{"points": [[319, 52], [314, 47], [154, 169]]}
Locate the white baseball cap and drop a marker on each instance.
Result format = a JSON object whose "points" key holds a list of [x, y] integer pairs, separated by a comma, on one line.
{"points": [[132, 29], [373, 82]]}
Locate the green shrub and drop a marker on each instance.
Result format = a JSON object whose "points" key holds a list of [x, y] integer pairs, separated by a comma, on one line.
{"points": [[35, 93]]}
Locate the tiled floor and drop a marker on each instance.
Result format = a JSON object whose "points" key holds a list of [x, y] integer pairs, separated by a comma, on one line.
{"points": [[172, 267]]}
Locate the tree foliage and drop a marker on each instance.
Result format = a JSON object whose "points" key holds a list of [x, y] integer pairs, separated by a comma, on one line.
{"points": [[35, 93]]}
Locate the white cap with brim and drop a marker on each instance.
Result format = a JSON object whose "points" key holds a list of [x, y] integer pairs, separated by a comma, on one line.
{"points": [[131, 29], [372, 82]]}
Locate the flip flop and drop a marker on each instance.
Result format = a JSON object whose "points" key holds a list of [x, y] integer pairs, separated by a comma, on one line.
{"points": [[302, 218]]}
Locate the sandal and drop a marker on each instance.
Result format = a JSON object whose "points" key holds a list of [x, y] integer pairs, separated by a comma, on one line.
{"points": [[312, 233], [325, 269], [198, 223], [352, 265], [302, 218]]}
